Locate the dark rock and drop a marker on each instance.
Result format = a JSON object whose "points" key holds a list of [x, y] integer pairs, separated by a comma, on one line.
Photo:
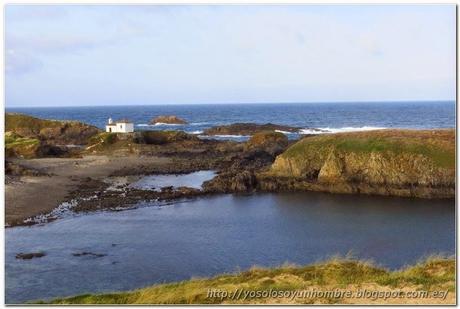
{"points": [[271, 142], [28, 256], [168, 120], [17, 169], [53, 132], [87, 253], [231, 182], [249, 129]]}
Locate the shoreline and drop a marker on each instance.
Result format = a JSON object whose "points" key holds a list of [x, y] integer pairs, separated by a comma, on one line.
{"points": [[66, 175], [245, 167], [428, 278], [41, 173]]}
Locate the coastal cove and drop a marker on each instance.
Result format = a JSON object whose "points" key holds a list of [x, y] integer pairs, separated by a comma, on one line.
{"points": [[95, 211], [224, 233], [230, 154]]}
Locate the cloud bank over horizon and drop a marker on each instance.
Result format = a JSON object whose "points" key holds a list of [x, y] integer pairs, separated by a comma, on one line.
{"points": [[63, 55]]}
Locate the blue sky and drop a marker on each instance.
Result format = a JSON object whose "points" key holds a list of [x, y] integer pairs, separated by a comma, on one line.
{"points": [[104, 55]]}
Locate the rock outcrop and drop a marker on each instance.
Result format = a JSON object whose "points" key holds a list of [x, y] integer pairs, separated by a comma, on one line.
{"points": [[388, 162], [30, 137], [168, 120], [29, 256], [161, 143], [271, 142], [54, 132], [162, 137], [118, 141], [248, 129]]}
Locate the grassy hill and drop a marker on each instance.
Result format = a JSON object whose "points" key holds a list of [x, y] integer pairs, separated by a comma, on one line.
{"points": [[423, 279], [30, 137], [421, 162], [51, 131]]}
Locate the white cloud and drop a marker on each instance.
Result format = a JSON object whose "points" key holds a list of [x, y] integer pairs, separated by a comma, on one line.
{"points": [[236, 53]]}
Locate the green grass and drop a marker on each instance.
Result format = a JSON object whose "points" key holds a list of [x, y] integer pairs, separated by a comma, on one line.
{"points": [[14, 141], [104, 138], [432, 273], [15, 121], [441, 157], [438, 153]]}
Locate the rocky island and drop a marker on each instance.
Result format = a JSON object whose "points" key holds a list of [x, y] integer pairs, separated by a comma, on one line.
{"points": [[168, 120], [249, 129]]}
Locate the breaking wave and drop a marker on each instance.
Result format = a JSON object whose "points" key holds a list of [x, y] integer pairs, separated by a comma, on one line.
{"points": [[338, 130]]}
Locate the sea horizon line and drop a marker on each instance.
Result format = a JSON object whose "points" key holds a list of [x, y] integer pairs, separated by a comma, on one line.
{"points": [[236, 103]]}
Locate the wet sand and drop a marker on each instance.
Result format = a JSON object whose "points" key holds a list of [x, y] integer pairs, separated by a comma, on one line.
{"points": [[33, 195]]}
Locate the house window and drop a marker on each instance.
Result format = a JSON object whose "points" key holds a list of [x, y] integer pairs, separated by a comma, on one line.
{"points": [[121, 126]]}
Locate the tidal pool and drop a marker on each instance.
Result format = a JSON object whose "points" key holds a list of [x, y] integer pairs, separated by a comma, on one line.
{"points": [[156, 182], [211, 235]]}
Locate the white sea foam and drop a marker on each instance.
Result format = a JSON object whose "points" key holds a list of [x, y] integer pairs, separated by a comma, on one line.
{"points": [[227, 136], [166, 124], [339, 130], [157, 124], [284, 132], [195, 132]]}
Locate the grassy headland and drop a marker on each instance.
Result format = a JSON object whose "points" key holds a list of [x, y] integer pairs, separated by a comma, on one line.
{"points": [[30, 137], [417, 163], [431, 281]]}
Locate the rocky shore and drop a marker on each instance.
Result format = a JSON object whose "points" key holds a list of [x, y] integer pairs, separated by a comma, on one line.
{"points": [[412, 163]]}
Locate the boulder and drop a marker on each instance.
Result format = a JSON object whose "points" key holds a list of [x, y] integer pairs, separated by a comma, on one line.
{"points": [[244, 181]]}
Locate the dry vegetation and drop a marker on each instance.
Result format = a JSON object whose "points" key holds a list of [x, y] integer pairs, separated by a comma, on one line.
{"points": [[432, 274]]}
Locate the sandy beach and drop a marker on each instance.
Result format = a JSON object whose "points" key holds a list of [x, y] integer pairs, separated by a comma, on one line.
{"points": [[66, 174]]}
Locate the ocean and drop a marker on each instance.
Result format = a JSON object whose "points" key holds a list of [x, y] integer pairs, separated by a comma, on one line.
{"points": [[331, 117]]}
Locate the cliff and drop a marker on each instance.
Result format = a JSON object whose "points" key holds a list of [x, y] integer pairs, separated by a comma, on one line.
{"points": [[387, 162]]}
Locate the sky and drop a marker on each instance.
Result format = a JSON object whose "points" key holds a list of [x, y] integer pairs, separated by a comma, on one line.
{"points": [[65, 55]]}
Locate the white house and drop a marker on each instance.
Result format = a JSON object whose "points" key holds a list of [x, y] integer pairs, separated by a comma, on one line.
{"points": [[120, 126]]}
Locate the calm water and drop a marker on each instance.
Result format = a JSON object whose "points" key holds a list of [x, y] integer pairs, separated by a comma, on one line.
{"points": [[335, 116], [155, 182], [218, 234]]}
